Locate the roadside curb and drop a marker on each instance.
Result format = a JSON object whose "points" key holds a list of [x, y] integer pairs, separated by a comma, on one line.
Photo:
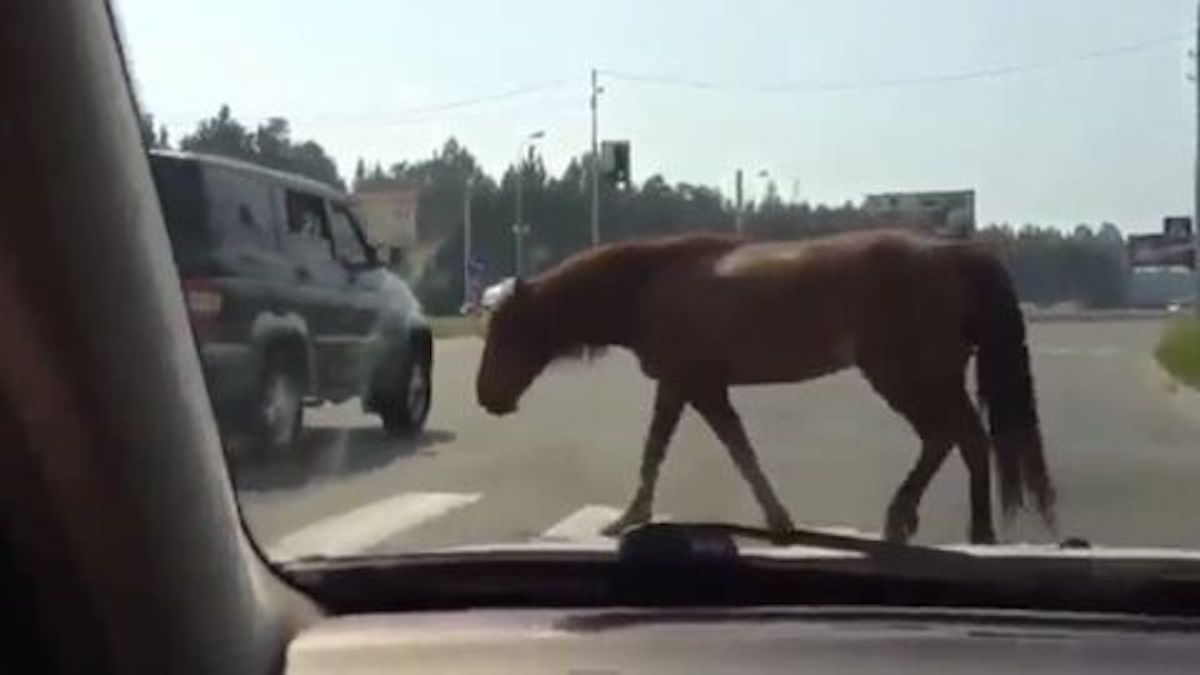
{"points": [[1096, 315]]}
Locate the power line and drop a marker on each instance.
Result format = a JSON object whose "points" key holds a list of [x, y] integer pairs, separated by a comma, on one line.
{"points": [[518, 92], [978, 74], [427, 111]]}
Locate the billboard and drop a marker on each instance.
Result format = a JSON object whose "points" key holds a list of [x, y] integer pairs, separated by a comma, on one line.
{"points": [[1160, 250], [1174, 247], [947, 213]]}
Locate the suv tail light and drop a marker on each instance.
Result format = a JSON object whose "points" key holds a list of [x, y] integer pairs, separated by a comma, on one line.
{"points": [[203, 298]]}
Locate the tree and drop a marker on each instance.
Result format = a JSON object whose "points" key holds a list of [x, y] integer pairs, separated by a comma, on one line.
{"points": [[1047, 265], [221, 135], [151, 138], [270, 145], [1110, 234]]}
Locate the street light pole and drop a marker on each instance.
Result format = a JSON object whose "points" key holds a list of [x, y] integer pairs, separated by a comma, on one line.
{"points": [[466, 261], [765, 177], [520, 229], [595, 163], [739, 214]]}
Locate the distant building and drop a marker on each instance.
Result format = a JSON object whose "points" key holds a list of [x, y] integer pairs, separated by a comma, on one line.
{"points": [[389, 214], [945, 213]]}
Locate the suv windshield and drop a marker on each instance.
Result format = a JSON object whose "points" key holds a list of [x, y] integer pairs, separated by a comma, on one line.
{"points": [[539, 273]]}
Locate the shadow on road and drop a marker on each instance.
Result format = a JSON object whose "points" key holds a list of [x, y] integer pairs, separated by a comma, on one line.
{"points": [[325, 453]]}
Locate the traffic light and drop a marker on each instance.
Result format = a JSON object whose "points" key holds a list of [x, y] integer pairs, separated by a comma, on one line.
{"points": [[614, 161]]}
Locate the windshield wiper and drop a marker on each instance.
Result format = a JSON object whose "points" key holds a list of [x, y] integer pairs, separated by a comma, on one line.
{"points": [[716, 543]]}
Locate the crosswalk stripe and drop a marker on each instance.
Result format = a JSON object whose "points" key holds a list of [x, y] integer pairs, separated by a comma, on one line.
{"points": [[362, 528], [584, 524]]}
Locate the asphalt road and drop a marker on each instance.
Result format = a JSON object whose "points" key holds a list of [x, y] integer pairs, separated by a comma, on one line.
{"points": [[1123, 447]]}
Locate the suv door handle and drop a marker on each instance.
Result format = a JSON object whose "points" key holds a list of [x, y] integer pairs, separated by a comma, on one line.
{"points": [[303, 274]]}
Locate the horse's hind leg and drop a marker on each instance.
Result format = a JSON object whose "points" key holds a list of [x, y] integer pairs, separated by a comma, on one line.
{"points": [[920, 398], [901, 521], [668, 406], [941, 413], [973, 444], [715, 408]]}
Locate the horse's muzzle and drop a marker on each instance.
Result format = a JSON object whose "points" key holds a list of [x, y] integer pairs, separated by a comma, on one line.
{"points": [[500, 408]]}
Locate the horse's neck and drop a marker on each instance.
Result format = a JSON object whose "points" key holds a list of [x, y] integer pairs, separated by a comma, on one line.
{"points": [[593, 307]]}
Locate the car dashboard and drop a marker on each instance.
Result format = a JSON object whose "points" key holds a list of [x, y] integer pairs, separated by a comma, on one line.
{"points": [[843, 640]]}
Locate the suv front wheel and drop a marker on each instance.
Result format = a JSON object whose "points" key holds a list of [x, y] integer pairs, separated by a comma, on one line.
{"points": [[405, 409]]}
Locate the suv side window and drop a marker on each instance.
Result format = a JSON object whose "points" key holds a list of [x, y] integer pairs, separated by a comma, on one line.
{"points": [[306, 216], [306, 240], [347, 245], [240, 207]]}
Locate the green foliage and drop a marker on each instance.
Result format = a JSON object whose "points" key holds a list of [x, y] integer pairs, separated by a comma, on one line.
{"points": [[1179, 350], [269, 145], [1049, 267], [150, 137], [1087, 267]]}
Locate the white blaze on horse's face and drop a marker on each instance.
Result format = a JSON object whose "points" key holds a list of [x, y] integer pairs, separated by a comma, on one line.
{"points": [[513, 353], [496, 294]]}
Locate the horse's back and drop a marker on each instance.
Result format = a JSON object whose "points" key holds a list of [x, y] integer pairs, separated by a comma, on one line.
{"points": [[784, 311]]}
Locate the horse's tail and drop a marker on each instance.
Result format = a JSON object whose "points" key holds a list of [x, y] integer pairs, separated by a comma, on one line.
{"points": [[995, 325]]}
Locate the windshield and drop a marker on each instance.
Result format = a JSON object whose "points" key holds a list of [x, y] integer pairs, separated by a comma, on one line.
{"points": [[537, 273]]}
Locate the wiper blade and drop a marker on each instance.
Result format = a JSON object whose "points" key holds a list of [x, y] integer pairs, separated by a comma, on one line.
{"points": [[716, 542]]}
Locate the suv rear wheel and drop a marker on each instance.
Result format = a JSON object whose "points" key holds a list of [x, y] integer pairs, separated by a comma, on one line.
{"points": [[278, 413], [405, 410]]}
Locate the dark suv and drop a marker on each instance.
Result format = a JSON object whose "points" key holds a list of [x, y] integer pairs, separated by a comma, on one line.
{"points": [[287, 301]]}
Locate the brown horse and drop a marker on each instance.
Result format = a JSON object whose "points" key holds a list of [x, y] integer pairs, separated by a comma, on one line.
{"points": [[703, 313]]}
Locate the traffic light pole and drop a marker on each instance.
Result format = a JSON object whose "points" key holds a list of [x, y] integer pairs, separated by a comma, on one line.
{"points": [[595, 165]]}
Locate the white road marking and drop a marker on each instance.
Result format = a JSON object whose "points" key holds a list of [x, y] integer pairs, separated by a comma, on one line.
{"points": [[584, 525], [360, 529]]}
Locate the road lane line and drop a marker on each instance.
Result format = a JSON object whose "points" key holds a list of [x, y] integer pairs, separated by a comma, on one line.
{"points": [[362, 528]]}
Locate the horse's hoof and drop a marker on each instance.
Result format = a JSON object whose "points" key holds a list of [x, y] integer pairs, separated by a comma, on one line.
{"points": [[900, 526], [618, 526], [780, 524]]}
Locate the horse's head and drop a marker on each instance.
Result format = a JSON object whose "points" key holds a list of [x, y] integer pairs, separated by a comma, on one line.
{"points": [[516, 349]]}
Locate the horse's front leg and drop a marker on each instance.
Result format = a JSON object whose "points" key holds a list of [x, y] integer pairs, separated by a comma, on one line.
{"points": [[668, 406], [715, 408]]}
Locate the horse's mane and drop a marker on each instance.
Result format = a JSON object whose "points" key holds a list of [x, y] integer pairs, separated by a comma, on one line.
{"points": [[630, 257], [584, 294]]}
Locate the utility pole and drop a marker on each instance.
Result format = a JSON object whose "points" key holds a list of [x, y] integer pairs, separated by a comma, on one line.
{"points": [[1196, 176], [520, 229], [595, 164], [466, 252], [738, 213]]}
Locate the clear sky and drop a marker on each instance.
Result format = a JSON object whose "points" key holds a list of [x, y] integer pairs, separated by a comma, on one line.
{"points": [[808, 90]]}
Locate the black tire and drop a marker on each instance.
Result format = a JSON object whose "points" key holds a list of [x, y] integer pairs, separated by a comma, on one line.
{"points": [[277, 412], [405, 409]]}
